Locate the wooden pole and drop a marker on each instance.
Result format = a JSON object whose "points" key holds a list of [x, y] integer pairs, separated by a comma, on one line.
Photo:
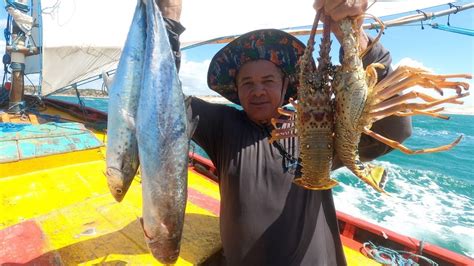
{"points": [[18, 71]]}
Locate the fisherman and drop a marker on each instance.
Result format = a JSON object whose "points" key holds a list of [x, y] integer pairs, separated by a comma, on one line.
{"points": [[265, 219]]}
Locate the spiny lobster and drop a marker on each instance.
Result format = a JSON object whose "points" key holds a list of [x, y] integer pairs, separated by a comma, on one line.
{"points": [[360, 101], [313, 120]]}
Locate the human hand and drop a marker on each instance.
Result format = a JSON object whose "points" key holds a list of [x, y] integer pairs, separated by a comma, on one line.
{"points": [[339, 9], [336, 10], [170, 8]]}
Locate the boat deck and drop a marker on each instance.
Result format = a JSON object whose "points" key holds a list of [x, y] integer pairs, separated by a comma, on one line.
{"points": [[56, 209], [65, 215]]}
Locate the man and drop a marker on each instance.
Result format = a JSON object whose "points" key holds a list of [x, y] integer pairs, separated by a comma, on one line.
{"points": [[266, 219]]}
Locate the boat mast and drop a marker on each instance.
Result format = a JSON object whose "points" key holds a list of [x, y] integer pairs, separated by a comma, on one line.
{"points": [[18, 50]]}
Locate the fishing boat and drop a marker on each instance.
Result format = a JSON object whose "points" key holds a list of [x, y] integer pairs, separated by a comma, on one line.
{"points": [[55, 206]]}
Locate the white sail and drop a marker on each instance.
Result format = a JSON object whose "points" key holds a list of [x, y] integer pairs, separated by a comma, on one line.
{"points": [[82, 38]]}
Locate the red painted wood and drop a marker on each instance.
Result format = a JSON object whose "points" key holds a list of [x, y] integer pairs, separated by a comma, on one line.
{"points": [[349, 230], [409, 242], [354, 224], [447, 255], [204, 201], [351, 243], [21, 243], [203, 161]]}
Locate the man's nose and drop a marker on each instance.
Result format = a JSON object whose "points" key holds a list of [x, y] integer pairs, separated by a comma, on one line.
{"points": [[259, 89]]}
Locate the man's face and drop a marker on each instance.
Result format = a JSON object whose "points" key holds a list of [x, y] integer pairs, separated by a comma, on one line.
{"points": [[261, 89]]}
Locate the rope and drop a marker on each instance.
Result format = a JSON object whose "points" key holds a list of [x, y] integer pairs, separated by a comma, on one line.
{"points": [[6, 31], [453, 29], [22, 7], [455, 12], [425, 15], [81, 102], [389, 256], [4, 95]]}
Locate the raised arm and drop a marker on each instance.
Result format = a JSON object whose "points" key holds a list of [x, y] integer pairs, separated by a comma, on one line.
{"points": [[171, 12]]}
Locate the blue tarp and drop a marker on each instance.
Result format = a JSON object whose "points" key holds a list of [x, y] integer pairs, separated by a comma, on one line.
{"points": [[25, 141]]}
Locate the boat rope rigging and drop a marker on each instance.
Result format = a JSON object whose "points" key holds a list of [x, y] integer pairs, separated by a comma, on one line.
{"points": [[420, 16], [448, 28], [17, 5], [455, 9], [451, 5], [387, 256]]}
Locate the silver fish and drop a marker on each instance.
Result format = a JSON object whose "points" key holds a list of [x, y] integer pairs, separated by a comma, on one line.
{"points": [[122, 148], [163, 143]]}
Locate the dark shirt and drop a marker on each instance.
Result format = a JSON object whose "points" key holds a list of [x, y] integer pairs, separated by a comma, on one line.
{"points": [[265, 219]]}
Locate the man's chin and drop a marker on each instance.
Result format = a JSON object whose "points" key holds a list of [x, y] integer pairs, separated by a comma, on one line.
{"points": [[260, 119]]}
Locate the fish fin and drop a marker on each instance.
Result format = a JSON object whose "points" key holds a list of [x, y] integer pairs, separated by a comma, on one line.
{"points": [[107, 80]]}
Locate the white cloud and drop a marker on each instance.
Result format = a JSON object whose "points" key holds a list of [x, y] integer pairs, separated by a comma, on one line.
{"points": [[3, 22], [411, 62], [2, 46], [193, 76]]}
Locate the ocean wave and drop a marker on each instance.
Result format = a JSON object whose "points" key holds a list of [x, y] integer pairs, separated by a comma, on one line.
{"points": [[444, 133], [439, 204], [430, 132]]}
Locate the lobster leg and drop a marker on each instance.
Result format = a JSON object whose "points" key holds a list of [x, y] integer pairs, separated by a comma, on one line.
{"points": [[428, 84], [433, 113], [408, 96], [447, 76], [274, 121], [411, 106], [276, 137], [372, 76], [404, 149], [392, 78], [405, 77], [282, 131], [286, 112]]}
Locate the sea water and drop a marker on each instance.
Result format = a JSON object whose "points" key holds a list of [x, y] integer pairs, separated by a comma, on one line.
{"points": [[432, 195]]}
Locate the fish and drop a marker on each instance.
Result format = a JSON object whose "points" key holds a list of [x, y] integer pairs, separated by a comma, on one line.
{"points": [[163, 134], [122, 148]]}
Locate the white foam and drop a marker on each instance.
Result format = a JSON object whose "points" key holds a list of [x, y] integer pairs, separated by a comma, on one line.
{"points": [[420, 206], [418, 131]]}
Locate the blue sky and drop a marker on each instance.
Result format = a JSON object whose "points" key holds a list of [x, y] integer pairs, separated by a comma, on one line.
{"points": [[440, 51]]}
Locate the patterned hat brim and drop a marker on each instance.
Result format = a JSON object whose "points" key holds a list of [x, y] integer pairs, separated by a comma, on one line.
{"points": [[276, 46]]}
